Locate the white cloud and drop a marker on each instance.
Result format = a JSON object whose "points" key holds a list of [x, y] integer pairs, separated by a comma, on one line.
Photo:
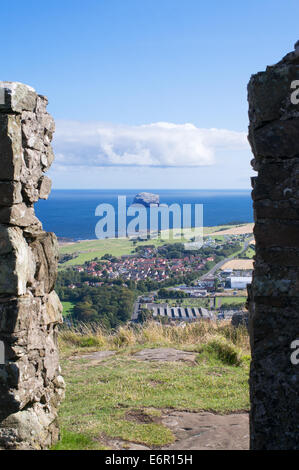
{"points": [[160, 144]]}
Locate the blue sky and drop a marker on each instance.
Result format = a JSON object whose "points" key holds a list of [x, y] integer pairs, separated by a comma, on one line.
{"points": [[136, 86]]}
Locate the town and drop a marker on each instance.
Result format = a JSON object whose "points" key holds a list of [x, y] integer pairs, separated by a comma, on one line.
{"points": [[172, 283]]}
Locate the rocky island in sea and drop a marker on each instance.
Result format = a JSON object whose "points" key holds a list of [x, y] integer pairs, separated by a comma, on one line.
{"points": [[147, 199]]}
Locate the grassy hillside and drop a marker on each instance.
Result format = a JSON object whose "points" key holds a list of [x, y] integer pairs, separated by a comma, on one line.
{"points": [[123, 398], [249, 253]]}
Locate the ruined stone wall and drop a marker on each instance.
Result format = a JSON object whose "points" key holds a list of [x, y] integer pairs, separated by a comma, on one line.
{"points": [[31, 386], [274, 293]]}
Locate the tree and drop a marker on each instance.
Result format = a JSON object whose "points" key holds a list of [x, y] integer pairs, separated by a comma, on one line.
{"points": [[145, 315]]}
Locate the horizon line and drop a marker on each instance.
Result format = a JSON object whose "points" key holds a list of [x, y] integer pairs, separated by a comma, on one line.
{"points": [[152, 189]]}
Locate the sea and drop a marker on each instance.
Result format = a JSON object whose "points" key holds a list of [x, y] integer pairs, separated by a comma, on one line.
{"points": [[71, 213]]}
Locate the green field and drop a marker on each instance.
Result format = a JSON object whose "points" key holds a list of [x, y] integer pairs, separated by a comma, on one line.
{"points": [[249, 253], [230, 300], [67, 308], [88, 250]]}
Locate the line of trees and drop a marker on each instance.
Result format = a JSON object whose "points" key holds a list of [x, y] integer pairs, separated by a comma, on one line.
{"points": [[110, 304]]}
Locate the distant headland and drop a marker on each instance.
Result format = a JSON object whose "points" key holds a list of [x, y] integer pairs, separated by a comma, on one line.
{"points": [[147, 199]]}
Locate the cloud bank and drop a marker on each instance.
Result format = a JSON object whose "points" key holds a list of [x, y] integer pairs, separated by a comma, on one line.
{"points": [[160, 144]]}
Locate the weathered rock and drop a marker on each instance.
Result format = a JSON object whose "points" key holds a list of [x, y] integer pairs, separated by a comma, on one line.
{"points": [[165, 355], [41, 104], [10, 193], [147, 199], [19, 314], [240, 319], [19, 215], [31, 386], [275, 140], [44, 187], [47, 158], [53, 310], [274, 292], [11, 147], [18, 98], [206, 431], [16, 261], [26, 429], [45, 253], [269, 95]]}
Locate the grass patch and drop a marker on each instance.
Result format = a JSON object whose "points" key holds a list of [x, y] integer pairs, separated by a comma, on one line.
{"points": [[223, 350], [67, 308], [124, 398], [100, 397], [249, 253], [74, 441], [220, 301]]}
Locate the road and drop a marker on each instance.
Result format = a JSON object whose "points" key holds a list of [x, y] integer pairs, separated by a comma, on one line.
{"points": [[221, 263], [202, 278]]}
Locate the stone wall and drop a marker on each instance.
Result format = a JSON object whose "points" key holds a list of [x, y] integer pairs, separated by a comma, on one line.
{"points": [[31, 386], [274, 293]]}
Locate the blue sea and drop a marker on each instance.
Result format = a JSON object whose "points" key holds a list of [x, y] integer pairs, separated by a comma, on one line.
{"points": [[71, 213]]}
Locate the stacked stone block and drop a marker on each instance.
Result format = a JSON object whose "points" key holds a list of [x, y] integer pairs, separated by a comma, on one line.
{"points": [[274, 293], [31, 386]]}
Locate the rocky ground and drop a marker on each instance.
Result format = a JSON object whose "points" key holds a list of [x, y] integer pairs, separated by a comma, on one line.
{"points": [[198, 431], [192, 430]]}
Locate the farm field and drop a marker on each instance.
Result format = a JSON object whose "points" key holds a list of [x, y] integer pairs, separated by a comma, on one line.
{"points": [[220, 301], [238, 264], [234, 230]]}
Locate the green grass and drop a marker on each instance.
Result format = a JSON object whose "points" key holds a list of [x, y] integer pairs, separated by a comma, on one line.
{"points": [[96, 249], [75, 441], [67, 308], [218, 238], [230, 300], [123, 398], [99, 398], [249, 253], [89, 250]]}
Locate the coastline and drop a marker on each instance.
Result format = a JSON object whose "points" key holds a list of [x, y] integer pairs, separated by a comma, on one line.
{"points": [[225, 229]]}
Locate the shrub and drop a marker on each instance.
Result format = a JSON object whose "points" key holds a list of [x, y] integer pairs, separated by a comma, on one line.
{"points": [[125, 336], [224, 350]]}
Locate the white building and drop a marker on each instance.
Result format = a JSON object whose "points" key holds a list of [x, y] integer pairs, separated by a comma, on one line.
{"points": [[239, 282]]}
